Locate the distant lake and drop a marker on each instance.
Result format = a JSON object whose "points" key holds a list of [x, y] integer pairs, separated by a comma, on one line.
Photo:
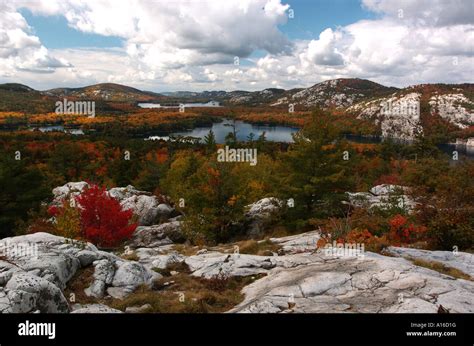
{"points": [[58, 128], [186, 105], [272, 133], [243, 129], [284, 134]]}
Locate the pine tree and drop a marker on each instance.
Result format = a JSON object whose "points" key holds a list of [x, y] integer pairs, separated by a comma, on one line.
{"points": [[318, 174], [210, 141]]}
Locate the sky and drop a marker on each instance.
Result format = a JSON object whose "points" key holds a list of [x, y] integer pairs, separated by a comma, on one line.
{"points": [[162, 45]]}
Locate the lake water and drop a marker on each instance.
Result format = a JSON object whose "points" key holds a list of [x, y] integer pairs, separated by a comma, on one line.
{"points": [[243, 129], [211, 104], [58, 128], [272, 133], [284, 134]]}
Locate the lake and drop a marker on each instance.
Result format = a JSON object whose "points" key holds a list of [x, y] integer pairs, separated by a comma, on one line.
{"points": [[284, 134], [59, 128], [272, 133], [211, 104], [243, 129]]}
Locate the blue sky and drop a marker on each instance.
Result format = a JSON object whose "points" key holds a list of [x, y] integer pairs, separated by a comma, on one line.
{"points": [[311, 18], [163, 45], [54, 32]]}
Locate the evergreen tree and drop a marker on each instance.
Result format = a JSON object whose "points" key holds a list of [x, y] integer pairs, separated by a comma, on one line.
{"points": [[21, 189], [318, 176], [210, 141]]}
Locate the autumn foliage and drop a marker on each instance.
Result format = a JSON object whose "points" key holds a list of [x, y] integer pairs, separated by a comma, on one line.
{"points": [[95, 216], [403, 231], [103, 220]]}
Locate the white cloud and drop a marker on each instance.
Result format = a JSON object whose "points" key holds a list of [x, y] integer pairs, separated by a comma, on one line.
{"points": [[171, 34], [427, 12], [192, 44], [324, 50], [19, 49]]}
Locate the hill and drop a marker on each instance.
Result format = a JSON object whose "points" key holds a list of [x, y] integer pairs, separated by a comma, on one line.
{"points": [[106, 92]]}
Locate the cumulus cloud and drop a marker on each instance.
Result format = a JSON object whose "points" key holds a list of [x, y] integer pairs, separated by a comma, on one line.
{"points": [[192, 44], [324, 50], [166, 34], [21, 50], [428, 12]]}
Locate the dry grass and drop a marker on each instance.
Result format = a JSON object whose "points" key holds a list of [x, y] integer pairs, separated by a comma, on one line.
{"points": [[180, 293], [177, 267], [131, 257], [253, 247], [250, 247], [186, 250], [80, 281], [442, 268], [183, 293]]}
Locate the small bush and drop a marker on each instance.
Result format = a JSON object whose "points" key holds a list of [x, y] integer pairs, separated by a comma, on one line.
{"points": [[404, 232], [103, 220], [68, 221]]}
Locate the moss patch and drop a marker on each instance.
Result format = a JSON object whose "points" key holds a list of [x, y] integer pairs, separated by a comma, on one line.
{"points": [[442, 268]]}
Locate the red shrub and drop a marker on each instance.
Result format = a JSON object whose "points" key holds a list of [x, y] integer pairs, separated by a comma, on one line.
{"points": [[53, 210], [103, 220], [359, 236], [404, 232]]}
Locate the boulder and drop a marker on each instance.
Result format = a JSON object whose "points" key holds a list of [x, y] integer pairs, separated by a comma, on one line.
{"points": [[138, 309], [372, 283], [157, 235], [383, 196], [163, 261], [212, 264], [68, 190], [36, 268], [28, 293], [260, 214], [148, 209], [462, 261], [388, 189], [95, 309], [104, 271], [123, 193], [45, 255], [119, 278], [130, 275], [298, 243]]}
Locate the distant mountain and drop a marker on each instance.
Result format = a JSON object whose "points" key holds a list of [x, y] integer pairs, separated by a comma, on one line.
{"points": [[255, 98], [16, 87], [236, 97], [106, 92], [441, 108], [335, 93], [21, 98]]}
